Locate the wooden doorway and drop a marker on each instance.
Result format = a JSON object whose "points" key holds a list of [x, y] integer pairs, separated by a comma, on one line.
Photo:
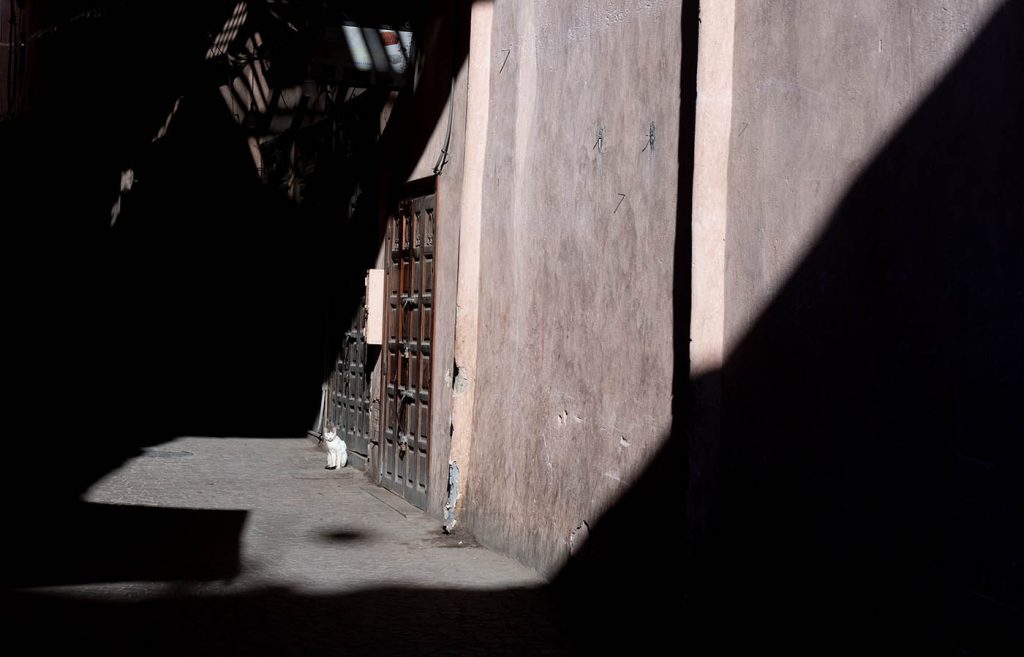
{"points": [[409, 329]]}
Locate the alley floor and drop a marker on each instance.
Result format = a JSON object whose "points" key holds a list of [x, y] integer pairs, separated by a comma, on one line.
{"points": [[249, 546]]}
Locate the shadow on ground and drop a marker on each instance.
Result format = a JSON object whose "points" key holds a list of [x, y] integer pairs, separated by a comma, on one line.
{"points": [[384, 621], [87, 543]]}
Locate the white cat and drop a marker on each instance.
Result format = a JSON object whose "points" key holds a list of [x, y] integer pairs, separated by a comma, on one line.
{"points": [[337, 452]]}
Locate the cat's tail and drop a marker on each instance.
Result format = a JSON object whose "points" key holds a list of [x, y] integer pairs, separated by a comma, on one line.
{"points": [[344, 455]]}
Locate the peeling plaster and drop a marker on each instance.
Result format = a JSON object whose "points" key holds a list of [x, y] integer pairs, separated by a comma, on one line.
{"points": [[453, 496]]}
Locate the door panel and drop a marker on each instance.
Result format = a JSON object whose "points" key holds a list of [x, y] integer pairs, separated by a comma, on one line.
{"points": [[349, 389], [410, 268]]}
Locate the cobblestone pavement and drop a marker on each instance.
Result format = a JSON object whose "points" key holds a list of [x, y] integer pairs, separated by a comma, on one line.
{"points": [[211, 545]]}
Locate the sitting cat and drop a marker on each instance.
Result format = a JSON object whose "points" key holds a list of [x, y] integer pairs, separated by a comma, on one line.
{"points": [[337, 452]]}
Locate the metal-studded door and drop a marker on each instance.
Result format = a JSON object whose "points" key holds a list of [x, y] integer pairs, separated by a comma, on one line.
{"points": [[349, 388], [405, 442]]}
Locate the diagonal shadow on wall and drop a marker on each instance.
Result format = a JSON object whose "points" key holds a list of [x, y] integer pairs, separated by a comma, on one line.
{"points": [[864, 490]]}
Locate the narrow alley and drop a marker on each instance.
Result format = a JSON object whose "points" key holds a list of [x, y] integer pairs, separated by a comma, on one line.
{"points": [[250, 546], [645, 326]]}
